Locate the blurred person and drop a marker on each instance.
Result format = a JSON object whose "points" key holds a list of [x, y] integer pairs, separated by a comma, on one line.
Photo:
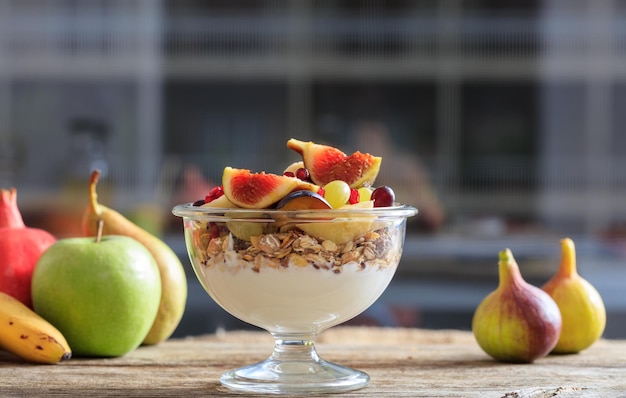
{"points": [[192, 186], [402, 172]]}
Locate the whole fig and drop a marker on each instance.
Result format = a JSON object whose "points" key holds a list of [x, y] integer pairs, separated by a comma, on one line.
{"points": [[517, 322], [582, 308]]}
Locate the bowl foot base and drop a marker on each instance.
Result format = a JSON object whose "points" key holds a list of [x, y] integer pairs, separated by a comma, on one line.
{"points": [[275, 377]]}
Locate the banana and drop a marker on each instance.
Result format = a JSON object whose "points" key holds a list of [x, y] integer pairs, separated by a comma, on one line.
{"points": [[29, 336]]}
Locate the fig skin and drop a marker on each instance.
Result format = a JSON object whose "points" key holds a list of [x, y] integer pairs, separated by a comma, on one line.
{"points": [[303, 200], [517, 322], [581, 306]]}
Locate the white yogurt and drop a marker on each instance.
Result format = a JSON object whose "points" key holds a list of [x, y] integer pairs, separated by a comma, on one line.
{"points": [[294, 299]]}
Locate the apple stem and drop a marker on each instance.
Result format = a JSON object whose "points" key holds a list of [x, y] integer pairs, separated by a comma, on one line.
{"points": [[100, 228]]}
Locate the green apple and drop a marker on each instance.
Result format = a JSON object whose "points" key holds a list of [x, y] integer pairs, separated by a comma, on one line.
{"points": [[102, 294]]}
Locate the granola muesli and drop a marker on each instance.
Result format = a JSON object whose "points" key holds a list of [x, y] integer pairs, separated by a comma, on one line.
{"points": [[296, 249]]}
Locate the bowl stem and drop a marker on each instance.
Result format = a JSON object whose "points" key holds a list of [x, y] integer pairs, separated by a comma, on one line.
{"points": [[294, 367]]}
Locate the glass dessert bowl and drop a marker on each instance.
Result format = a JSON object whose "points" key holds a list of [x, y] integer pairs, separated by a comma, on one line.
{"points": [[294, 273]]}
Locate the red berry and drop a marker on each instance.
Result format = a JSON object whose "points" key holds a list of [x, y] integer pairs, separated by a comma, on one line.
{"points": [[321, 192], [354, 196], [215, 193], [289, 174], [383, 196], [303, 174], [214, 230]]}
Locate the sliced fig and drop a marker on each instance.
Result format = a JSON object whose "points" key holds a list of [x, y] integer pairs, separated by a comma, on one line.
{"points": [[256, 190], [306, 186], [326, 163], [220, 202], [303, 200]]}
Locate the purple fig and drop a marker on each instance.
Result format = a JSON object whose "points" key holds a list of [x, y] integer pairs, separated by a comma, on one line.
{"points": [[517, 322]]}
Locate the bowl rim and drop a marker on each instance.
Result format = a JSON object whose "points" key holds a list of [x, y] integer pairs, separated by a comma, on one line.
{"points": [[189, 211]]}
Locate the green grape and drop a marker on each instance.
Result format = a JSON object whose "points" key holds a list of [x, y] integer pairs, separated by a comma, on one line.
{"points": [[365, 194], [337, 193]]}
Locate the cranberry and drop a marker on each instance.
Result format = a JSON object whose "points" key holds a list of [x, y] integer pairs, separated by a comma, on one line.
{"points": [[303, 174], [355, 197], [289, 174], [214, 230], [215, 193]]}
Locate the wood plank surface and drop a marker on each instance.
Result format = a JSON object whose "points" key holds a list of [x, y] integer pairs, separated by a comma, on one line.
{"points": [[400, 362]]}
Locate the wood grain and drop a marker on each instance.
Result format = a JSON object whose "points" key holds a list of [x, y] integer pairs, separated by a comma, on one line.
{"points": [[400, 362]]}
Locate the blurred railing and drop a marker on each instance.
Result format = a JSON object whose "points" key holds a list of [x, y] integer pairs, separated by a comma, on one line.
{"points": [[120, 33], [298, 45]]}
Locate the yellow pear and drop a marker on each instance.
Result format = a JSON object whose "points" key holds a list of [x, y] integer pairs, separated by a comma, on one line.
{"points": [[581, 306], [173, 278]]}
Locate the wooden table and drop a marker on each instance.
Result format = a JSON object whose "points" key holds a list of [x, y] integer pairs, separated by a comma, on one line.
{"points": [[400, 362]]}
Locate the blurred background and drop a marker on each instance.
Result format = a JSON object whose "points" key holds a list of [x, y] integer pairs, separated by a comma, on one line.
{"points": [[503, 122]]}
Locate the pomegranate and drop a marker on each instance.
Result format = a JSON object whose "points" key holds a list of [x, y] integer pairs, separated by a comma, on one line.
{"points": [[20, 248]]}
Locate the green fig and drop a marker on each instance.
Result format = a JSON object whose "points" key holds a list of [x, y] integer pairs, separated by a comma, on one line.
{"points": [[581, 306], [173, 278], [517, 322]]}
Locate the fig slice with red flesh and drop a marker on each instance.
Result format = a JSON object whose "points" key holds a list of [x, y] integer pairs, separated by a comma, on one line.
{"points": [[258, 190], [326, 163]]}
